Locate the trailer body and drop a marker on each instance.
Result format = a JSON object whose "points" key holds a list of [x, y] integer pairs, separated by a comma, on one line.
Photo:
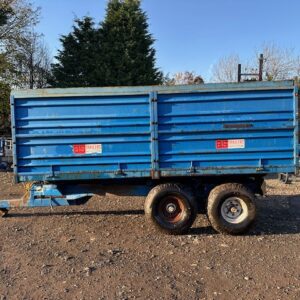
{"points": [[155, 132], [179, 146]]}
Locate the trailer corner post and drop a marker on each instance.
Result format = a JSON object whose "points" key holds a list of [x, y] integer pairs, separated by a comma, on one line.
{"points": [[14, 139], [153, 98], [296, 126]]}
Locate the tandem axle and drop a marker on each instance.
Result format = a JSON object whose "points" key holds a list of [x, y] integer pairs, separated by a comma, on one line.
{"points": [[170, 206]]}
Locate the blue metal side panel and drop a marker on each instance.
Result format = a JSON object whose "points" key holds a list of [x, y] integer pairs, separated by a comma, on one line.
{"points": [[154, 131], [190, 126], [49, 132]]}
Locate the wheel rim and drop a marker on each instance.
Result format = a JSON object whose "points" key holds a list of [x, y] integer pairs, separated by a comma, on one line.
{"points": [[234, 210], [171, 209]]}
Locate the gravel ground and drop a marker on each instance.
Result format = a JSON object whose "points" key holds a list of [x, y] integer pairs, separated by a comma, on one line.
{"points": [[104, 250]]}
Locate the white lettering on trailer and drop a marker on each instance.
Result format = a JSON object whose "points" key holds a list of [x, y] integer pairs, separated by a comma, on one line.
{"points": [[236, 144], [93, 148]]}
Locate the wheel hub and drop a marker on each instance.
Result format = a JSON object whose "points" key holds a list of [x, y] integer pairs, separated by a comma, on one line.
{"points": [[171, 209], [234, 210]]}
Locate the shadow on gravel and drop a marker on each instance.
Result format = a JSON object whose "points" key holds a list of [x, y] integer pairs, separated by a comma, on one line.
{"points": [[204, 230], [74, 213], [277, 215]]}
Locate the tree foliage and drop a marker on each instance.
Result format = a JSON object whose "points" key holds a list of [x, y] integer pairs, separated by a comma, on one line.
{"points": [[5, 12], [4, 108], [78, 61], [23, 54], [4, 88], [30, 61], [15, 18], [25, 59], [119, 52], [127, 46]]}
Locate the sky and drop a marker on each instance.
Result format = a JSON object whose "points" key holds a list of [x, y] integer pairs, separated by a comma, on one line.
{"points": [[190, 35]]}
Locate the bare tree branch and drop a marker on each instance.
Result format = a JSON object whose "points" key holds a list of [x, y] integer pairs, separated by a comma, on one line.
{"points": [[225, 70], [20, 14], [186, 77], [30, 61], [280, 63]]}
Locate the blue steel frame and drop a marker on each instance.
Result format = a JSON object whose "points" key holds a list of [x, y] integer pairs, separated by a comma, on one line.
{"points": [[46, 195]]}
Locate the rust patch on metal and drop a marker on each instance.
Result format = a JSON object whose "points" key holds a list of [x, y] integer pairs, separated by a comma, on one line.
{"points": [[171, 209], [18, 203], [22, 202], [155, 174]]}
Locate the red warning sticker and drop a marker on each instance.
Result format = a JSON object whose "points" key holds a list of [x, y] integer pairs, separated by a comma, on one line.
{"points": [[87, 148], [230, 144]]}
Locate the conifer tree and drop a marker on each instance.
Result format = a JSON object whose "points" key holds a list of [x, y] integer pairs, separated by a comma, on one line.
{"points": [[120, 52], [127, 50], [75, 65]]}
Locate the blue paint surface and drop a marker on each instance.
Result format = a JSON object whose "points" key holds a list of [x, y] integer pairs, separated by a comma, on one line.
{"points": [[48, 195], [155, 131]]}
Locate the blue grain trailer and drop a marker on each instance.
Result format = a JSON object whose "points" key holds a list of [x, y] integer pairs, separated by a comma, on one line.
{"points": [[179, 146]]}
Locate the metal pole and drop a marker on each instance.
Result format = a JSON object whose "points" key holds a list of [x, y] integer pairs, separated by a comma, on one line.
{"points": [[261, 66], [239, 72]]}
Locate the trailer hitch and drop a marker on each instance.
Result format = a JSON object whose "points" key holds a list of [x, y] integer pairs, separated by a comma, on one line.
{"points": [[46, 195]]}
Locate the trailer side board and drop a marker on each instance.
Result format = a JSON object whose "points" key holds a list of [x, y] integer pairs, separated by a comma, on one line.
{"points": [[132, 132]]}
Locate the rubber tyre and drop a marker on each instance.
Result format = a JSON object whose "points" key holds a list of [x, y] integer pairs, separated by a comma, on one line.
{"points": [[217, 197], [153, 210]]}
